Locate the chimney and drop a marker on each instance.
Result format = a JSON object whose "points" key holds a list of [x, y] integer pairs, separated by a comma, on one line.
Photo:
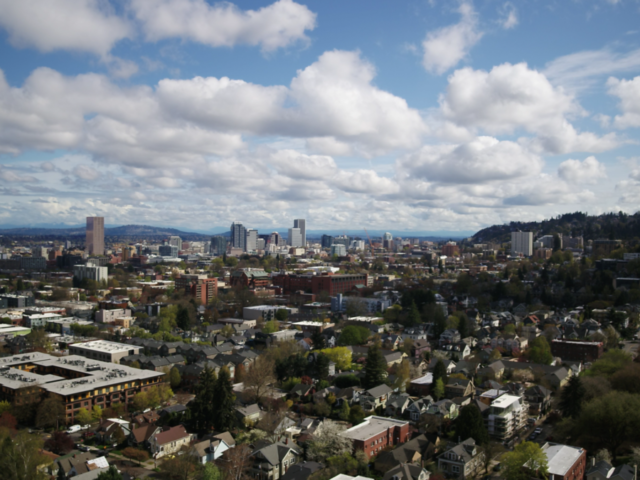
{"points": [[593, 461]]}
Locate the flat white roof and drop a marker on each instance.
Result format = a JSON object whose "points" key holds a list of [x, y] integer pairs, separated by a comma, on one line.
{"points": [[504, 401], [370, 427], [105, 346], [424, 380], [561, 458]]}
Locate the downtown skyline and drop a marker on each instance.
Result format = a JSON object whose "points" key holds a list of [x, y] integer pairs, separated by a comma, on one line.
{"points": [[424, 116]]}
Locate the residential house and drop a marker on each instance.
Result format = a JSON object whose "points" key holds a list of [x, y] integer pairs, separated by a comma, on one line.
{"points": [[417, 408], [302, 471], [375, 397], [441, 410], [212, 447], [302, 392], [465, 460], [449, 365], [407, 471], [451, 335], [603, 470], [420, 347], [169, 441], [272, 460], [538, 398], [393, 358], [249, 414], [457, 387], [396, 405], [140, 435], [421, 386], [416, 451]]}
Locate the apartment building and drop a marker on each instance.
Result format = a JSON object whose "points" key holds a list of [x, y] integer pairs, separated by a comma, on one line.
{"points": [[103, 350], [507, 415], [76, 381], [198, 286], [376, 433]]}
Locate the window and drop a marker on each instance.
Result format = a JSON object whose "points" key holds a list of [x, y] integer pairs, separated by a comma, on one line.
{"points": [[455, 469]]}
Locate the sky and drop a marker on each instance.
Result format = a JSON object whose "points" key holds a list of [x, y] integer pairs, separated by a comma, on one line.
{"points": [[416, 115]]}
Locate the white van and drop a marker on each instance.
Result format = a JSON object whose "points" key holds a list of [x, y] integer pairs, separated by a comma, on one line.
{"points": [[74, 429]]}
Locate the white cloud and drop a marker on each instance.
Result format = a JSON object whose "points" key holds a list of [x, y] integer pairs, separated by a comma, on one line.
{"points": [[628, 92], [223, 24], [86, 173], [485, 159], [329, 146], [81, 25], [297, 165], [582, 70], [365, 181], [512, 98], [446, 47], [587, 171], [509, 16]]}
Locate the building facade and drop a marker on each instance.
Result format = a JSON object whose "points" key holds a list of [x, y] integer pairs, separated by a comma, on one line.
{"points": [[332, 284], [238, 236], [577, 351], [522, 243], [218, 245], [95, 236], [301, 224], [88, 272], [376, 433], [198, 286]]}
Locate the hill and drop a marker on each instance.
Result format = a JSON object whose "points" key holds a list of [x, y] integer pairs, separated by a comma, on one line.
{"points": [[120, 231], [590, 227]]}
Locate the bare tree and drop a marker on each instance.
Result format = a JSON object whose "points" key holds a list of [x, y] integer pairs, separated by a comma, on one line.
{"points": [[235, 462], [258, 378], [327, 442]]}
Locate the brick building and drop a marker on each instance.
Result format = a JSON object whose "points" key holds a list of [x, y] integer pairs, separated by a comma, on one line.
{"points": [[332, 284], [198, 286], [565, 462], [577, 351], [374, 434], [250, 278]]}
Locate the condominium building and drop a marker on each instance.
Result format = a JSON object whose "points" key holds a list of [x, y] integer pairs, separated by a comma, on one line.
{"points": [[176, 242], [507, 415], [251, 240], [76, 381], [339, 250], [218, 245], [198, 286], [522, 243], [89, 272], [374, 434], [95, 236]]}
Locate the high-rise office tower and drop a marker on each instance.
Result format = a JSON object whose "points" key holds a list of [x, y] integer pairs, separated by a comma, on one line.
{"points": [[301, 223], [95, 236], [251, 240], [522, 242], [218, 245], [327, 241], [176, 242], [238, 236], [387, 241], [276, 240], [295, 237]]}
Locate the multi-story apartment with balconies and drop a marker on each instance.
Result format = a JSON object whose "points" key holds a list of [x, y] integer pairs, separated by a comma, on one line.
{"points": [[507, 414]]}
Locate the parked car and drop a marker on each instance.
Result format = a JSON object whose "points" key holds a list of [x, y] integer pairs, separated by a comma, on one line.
{"points": [[497, 467], [537, 431], [74, 429]]}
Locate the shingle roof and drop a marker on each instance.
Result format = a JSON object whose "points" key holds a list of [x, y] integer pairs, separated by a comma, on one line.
{"points": [[171, 435]]}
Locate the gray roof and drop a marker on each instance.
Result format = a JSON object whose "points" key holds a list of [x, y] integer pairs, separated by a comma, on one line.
{"points": [[302, 471], [274, 453], [464, 449], [404, 471], [379, 391]]}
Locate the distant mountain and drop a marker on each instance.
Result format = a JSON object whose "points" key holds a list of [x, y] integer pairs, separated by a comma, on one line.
{"points": [[119, 231], [609, 225]]}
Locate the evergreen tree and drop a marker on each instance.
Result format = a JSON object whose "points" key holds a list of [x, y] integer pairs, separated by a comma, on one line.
{"points": [[439, 371], [318, 340], [202, 411], [345, 411], [182, 318], [439, 321], [320, 368], [111, 474], [471, 424], [375, 368], [463, 326], [414, 315], [438, 389], [571, 398], [174, 378], [224, 402]]}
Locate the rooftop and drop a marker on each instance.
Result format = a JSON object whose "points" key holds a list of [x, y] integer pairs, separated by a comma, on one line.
{"points": [[370, 427], [561, 458], [504, 401], [105, 346]]}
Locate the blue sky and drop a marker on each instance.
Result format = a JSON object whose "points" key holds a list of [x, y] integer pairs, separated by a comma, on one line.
{"points": [[417, 115]]}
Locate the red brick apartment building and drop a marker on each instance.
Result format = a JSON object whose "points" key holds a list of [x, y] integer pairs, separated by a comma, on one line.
{"points": [[577, 351], [332, 284], [198, 286], [565, 462], [376, 433]]}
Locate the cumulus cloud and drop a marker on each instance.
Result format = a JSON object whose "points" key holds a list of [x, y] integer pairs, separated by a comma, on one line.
{"points": [[293, 164], [86, 173], [587, 171], [223, 24], [364, 181], [485, 159], [628, 92], [329, 146], [512, 98], [80, 25], [446, 47]]}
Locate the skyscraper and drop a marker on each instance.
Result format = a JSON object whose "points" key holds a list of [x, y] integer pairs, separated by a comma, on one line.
{"points": [[327, 241], [238, 236], [218, 245], [251, 242], [387, 241], [95, 236], [176, 242], [301, 223], [295, 237], [522, 242]]}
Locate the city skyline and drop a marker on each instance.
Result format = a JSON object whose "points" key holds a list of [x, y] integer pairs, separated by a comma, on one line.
{"points": [[421, 116]]}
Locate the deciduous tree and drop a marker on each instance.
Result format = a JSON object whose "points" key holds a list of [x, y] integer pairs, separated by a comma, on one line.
{"points": [[341, 356], [259, 376], [50, 413], [20, 456], [83, 416], [60, 443], [525, 459], [327, 442]]}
